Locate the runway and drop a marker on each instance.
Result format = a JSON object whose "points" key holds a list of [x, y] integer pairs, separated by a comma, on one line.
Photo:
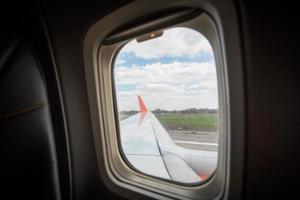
{"points": [[207, 141]]}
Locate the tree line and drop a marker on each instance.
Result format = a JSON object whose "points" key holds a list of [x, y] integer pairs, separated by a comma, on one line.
{"points": [[185, 111]]}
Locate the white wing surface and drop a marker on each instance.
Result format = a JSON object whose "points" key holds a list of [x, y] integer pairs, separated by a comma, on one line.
{"points": [[149, 149]]}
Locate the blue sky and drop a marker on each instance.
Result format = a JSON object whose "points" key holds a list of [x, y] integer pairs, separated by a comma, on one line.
{"points": [[173, 72], [131, 59]]}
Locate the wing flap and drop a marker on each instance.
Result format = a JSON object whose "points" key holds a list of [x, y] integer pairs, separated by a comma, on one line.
{"points": [[149, 164], [179, 170]]}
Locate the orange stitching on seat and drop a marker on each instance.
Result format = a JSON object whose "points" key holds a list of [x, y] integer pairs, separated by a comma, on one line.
{"points": [[23, 111]]}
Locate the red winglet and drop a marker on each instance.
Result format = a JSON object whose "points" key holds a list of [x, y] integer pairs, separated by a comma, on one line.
{"points": [[143, 108]]}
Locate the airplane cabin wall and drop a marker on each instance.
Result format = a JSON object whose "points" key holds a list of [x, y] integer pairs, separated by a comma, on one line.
{"points": [[271, 47], [270, 38]]}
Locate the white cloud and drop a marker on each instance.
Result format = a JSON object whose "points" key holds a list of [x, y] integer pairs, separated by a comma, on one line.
{"points": [[171, 86], [120, 61], [173, 73], [168, 86], [174, 42]]}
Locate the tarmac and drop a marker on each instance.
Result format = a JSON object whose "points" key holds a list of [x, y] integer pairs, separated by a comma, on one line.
{"points": [[206, 141]]}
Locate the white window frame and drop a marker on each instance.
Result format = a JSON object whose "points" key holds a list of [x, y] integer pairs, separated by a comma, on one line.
{"points": [[98, 61]]}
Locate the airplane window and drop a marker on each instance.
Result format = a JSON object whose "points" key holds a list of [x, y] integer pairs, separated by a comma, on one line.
{"points": [[167, 100]]}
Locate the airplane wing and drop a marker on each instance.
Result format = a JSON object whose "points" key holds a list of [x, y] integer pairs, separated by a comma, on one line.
{"points": [[149, 148]]}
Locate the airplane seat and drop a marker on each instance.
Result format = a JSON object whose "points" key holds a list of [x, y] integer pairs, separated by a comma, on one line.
{"points": [[29, 167]]}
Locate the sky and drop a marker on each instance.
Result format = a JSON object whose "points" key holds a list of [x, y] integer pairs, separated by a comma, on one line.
{"points": [[172, 72]]}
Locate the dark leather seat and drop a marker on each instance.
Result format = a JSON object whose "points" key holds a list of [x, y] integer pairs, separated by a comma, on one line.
{"points": [[28, 168]]}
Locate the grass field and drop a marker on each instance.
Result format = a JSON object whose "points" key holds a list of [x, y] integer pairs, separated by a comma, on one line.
{"points": [[191, 122]]}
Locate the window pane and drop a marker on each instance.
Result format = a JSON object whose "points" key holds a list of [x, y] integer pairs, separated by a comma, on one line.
{"points": [[167, 98]]}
